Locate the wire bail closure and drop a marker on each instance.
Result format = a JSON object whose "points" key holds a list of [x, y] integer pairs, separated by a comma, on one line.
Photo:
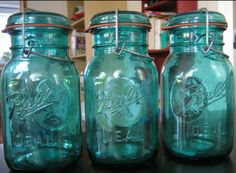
{"points": [[209, 41], [27, 53], [117, 50], [208, 46]]}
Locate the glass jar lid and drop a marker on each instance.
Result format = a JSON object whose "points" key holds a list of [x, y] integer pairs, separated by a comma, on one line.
{"points": [[37, 19], [196, 18], [125, 18]]}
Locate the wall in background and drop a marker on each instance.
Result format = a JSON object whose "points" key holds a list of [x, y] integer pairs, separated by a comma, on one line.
{"points": [[234, 27], [94, 7], [9, 6], [234, 21], [134, 5], [210, 5], [52, 6], [226, 8]]}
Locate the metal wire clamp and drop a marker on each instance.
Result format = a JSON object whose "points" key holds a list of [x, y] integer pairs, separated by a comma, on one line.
{"points": [[26, 53], [117, 50], [209, 41]]}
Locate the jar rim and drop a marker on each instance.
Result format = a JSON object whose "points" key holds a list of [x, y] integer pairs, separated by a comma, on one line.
{"points": [[11, 27], [120, 11], [125, 18], [37, 19], [200, 17], [222, 25], [92, 27]]}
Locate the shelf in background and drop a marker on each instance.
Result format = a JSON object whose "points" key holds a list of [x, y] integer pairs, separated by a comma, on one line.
{"points": [[162, 6], [78, 24], [82, 56]]}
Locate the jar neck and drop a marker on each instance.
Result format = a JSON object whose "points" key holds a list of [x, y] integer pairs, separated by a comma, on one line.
{"points": [[110, 49], [54, 52], [194, 39], [51, 42], [193, 48], [133, 39]]}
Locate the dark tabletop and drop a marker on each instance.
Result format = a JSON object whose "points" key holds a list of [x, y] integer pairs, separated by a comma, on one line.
{"points": [[162, 164]]}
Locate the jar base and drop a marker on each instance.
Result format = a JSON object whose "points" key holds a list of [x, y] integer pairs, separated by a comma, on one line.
{"points": [[178, 156], [44, 159], [113, 162]]}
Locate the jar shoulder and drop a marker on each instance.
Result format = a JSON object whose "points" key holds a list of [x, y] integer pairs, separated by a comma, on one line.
{"points": [[211, 64], [124, 65], [41, 67]]}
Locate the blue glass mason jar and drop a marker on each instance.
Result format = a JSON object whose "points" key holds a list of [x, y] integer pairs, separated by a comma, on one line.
{"points": [[40, 94], [121, 92], [198, 88]]}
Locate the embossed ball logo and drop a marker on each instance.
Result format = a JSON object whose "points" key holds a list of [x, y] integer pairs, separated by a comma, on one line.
{"points": [[120, 103], [188, 97], [41, 105]]}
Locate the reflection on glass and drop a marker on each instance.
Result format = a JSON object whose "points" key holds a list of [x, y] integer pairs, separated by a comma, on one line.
{"points": [[40, 99], [121, 96]]}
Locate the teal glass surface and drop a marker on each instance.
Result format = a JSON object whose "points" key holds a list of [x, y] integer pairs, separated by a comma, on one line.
{"points": [[164, 37], [121, 94], [198, 89], [40, 95]]}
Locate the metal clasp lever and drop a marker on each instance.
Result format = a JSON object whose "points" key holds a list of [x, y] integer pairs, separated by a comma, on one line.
{"points": [[208, 46], [209, 41], [117, 50]]}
